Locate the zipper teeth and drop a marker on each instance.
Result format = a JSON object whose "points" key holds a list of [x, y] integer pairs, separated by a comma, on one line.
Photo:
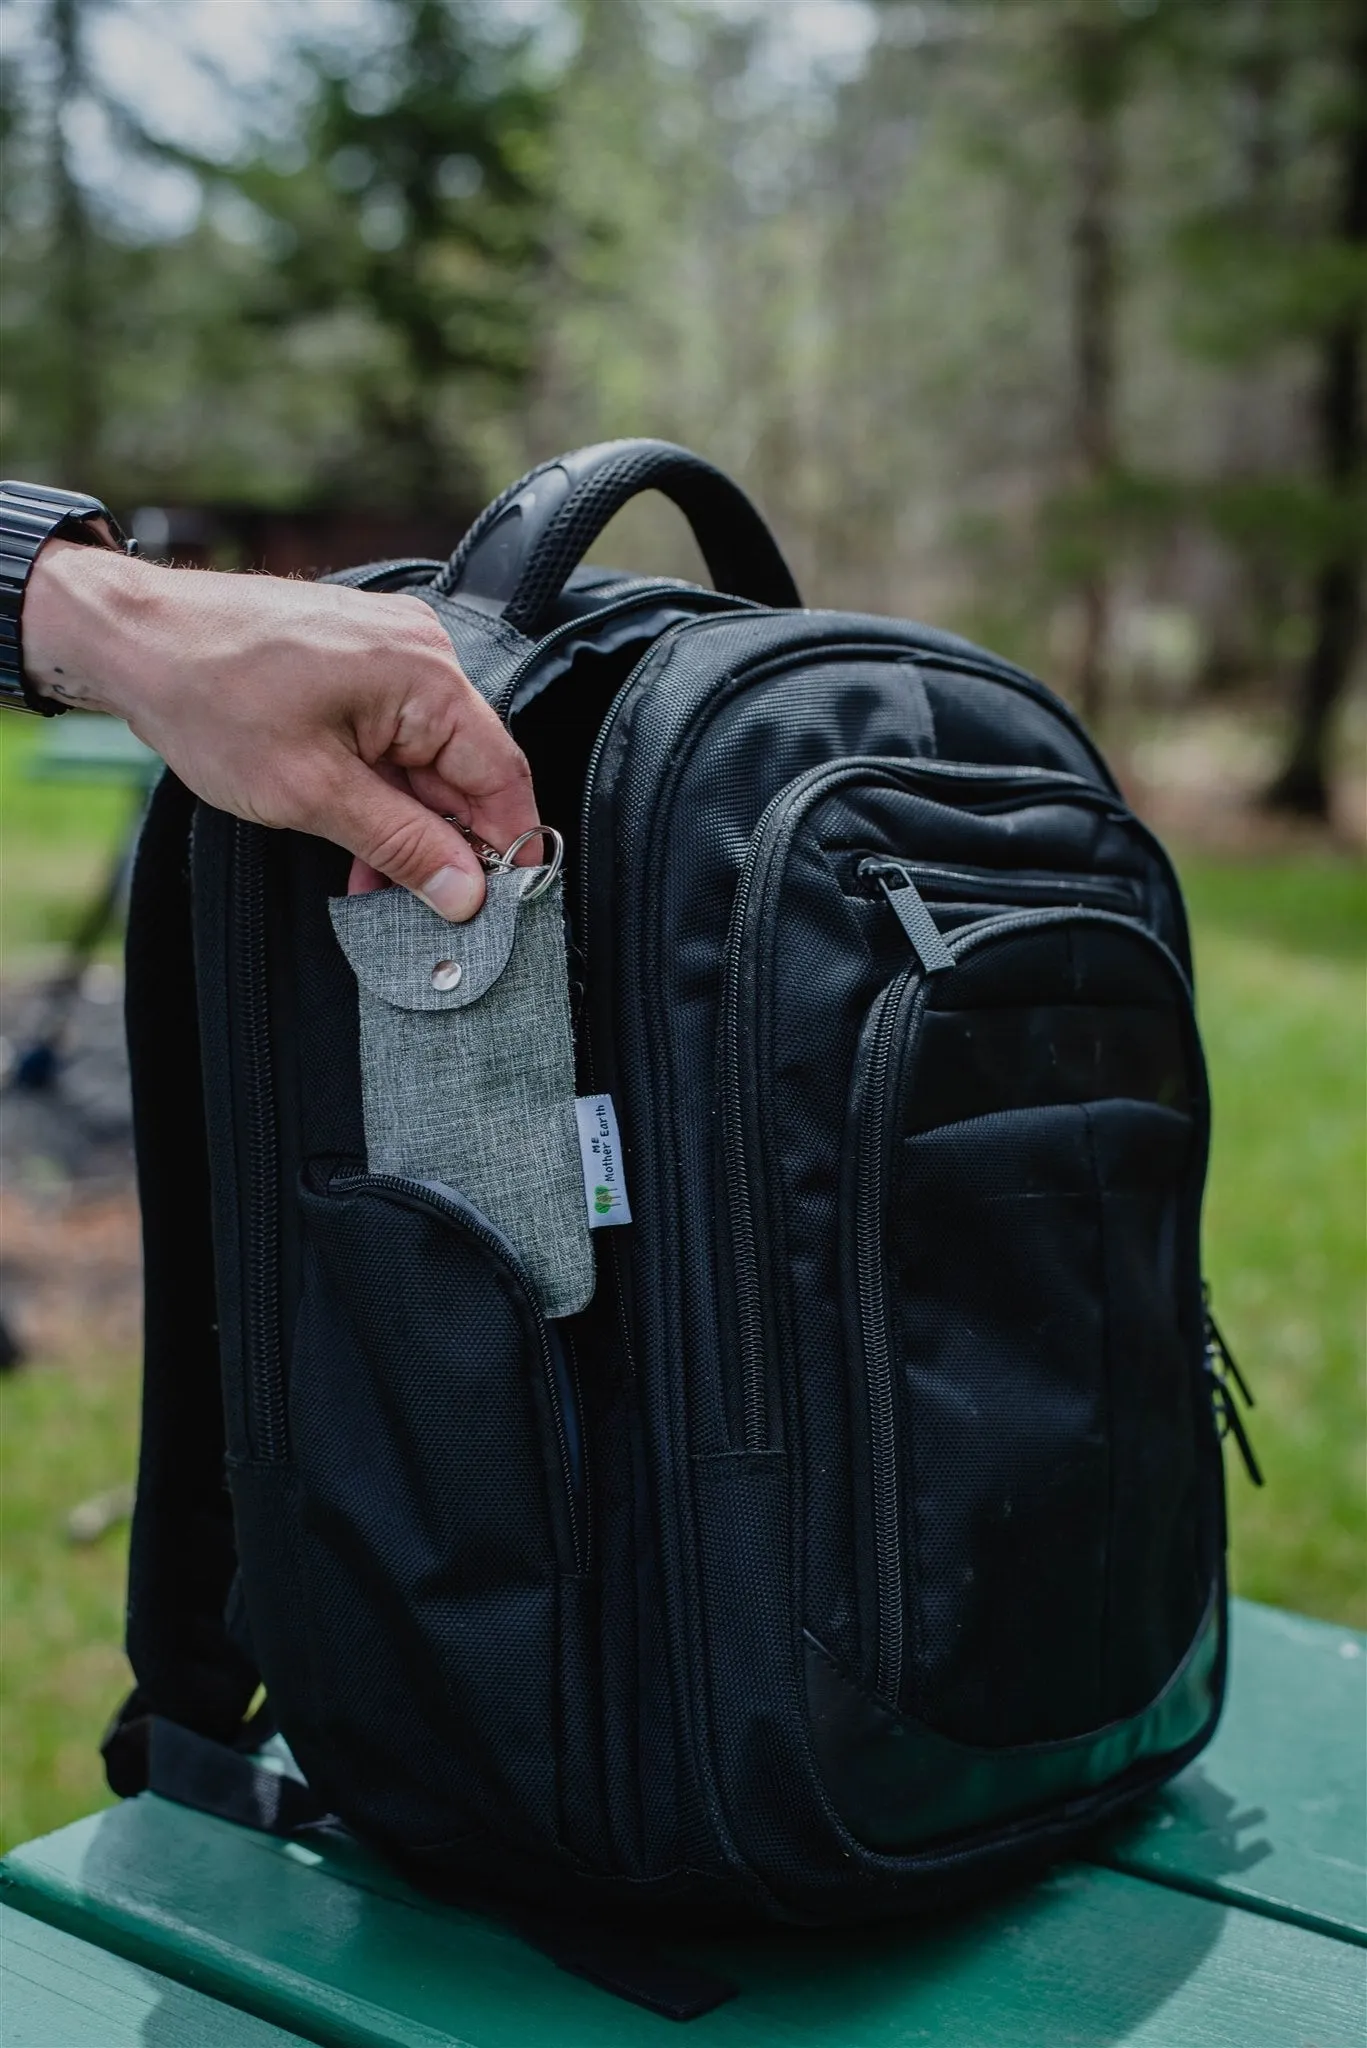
{"points": [[749, 1310], [970, 879], [873, 1303], [502, 704], [747, 1272], [735, 1169], [746, 1261], [989, 928], [263, 1205], [585, 809], [745, 1255], [581, 1496], [869, 1245], [596, 753], [428, 1198], [1038, 780], [385, 572], [928, 657], [649, 593], [877, 1363]]}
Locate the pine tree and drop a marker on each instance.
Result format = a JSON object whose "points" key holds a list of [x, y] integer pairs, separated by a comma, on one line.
{"points": [[418, 212], [1303, 784], [54, 246]]}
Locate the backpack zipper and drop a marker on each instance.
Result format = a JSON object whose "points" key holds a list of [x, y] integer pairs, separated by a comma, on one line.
{"points": [[786, 808], [1224, 1376], [923, 934], [267, 1427], [268, 1423], [646, 593], [386, 575], [1028, 888], [806, 788], [424, 1195], [890, 1022], [873, 1325]]}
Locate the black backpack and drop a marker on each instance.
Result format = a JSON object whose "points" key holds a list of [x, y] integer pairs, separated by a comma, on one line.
{"points": [[861, 1542]]}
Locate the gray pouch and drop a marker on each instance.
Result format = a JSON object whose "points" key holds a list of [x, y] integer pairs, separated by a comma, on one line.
{"points": [[467, 1065]]}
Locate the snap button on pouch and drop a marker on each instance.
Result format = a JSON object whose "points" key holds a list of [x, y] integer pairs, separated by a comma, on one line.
{"points": [[404, 955]]}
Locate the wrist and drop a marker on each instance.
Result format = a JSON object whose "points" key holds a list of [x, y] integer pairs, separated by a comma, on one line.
{"points": [[80, 609], [32, 515]]}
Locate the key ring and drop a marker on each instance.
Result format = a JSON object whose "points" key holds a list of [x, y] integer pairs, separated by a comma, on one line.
{"points": [[496, 863], [501, 864]]}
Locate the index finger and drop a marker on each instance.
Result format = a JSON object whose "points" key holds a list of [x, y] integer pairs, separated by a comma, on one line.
{"points": [[495, 808]]}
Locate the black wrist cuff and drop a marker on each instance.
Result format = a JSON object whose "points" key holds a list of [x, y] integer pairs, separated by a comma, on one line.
{"points": [[31, 514]]}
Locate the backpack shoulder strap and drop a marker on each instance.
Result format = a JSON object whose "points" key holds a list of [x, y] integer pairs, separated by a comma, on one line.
{"points": [[183, 1558]]}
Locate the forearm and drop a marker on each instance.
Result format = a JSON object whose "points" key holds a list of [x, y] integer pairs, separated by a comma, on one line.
{"points": [[334, 711]]}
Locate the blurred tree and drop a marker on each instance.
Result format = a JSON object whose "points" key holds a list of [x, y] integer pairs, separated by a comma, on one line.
{"points": [[73, 297], [603, 228], [1095, 44], [53, 240], [1302, 784], [1274, 267], [127, 367], [1010, 319], [1242, 68], [357, 293], [675, 291], [1091, 56], [415, 208]]}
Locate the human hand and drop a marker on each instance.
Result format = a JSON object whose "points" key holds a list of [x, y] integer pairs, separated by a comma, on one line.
{"points": [[339, 712]]}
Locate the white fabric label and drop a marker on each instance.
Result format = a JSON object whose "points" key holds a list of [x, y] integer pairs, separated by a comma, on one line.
{"points": [[600, 1154]]}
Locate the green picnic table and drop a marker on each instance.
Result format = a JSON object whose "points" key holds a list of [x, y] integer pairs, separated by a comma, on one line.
{"points": [[1230, 1912]]}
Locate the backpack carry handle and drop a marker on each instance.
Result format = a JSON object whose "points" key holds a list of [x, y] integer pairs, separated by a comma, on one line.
{"points": [[521, 551]]}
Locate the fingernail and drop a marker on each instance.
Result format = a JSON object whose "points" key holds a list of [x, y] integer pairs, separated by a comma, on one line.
{"points": [[452, 893]]}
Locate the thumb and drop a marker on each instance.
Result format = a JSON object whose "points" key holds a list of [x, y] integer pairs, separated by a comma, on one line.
{"points": [[392, 832]]}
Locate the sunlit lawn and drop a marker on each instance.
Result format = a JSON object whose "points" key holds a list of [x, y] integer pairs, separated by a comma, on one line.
{"points": [[1280, 955], [65, 1433], [1281, 950]]}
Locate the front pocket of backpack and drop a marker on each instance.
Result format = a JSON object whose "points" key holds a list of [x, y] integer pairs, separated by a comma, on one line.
{"points": [[1026, 1152], [433, 1432]]}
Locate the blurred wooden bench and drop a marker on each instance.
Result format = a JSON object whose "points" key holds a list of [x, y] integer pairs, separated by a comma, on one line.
{"points": [[1230, 1913]]}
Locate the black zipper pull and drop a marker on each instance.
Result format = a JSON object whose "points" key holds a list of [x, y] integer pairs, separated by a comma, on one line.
{"points": [[915, 920], [1222, 1369], [1215, 1340]]}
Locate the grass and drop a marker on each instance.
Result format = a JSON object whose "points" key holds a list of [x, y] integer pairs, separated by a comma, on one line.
{"points": [[1280, 957], [56, 839], [1281, 949], [66, 1432]]}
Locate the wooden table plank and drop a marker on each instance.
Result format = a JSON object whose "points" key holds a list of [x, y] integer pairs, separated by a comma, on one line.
{"points": [[1274, 1815], [58, 1992], [327, 1944]]}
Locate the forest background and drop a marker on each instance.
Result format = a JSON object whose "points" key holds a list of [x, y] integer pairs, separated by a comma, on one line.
{"points": [[1043, 318], [1039, 319]]}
